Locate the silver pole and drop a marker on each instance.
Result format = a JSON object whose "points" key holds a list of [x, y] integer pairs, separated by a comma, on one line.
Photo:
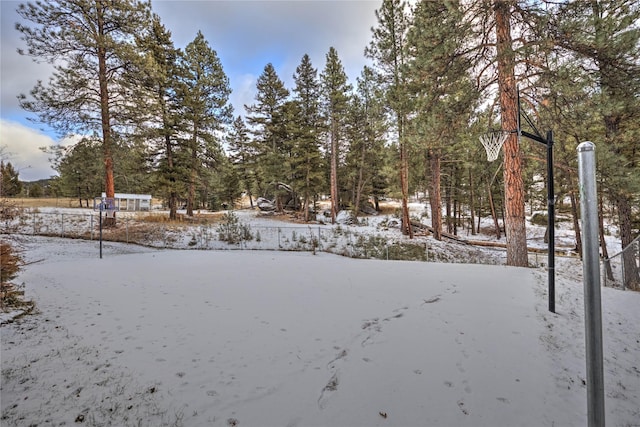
{"points": [[591, 273]]}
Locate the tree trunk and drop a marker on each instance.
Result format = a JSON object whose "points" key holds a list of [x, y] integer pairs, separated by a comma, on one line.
{"points": [[305, 202], [456, 205], [447, 198], [513, 184], [471, 204], [334, 172], [493, 214], [631, 275], [193, 176], [479, 212], [109, 185], [407, 229], [360, 181], [435, 197], [576, 222], [603, 242], [173, 195]]}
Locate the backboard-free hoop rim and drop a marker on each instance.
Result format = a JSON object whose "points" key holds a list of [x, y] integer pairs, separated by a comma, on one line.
{"points": [[492, 142]]}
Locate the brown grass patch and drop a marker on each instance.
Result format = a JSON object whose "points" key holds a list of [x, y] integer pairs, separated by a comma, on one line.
{"points": [[47, 202], [182, 219]]}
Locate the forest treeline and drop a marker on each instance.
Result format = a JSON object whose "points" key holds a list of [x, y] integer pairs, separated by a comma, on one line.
{"points": [[157, 119]]}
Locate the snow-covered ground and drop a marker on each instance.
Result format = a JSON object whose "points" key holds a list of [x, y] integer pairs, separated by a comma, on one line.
{"points": [[171, 337]]}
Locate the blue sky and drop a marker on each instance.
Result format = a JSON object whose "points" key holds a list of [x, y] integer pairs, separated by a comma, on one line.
{"points": [[246, 35]]}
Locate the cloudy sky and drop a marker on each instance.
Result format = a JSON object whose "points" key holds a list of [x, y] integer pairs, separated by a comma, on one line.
{"points": [[247, 35]]}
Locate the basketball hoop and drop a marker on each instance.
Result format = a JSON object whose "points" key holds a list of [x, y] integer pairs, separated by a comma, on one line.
{"points": [[492, 142]]}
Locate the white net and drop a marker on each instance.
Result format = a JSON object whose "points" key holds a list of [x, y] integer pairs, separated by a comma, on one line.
{"points": [[492, 142]]}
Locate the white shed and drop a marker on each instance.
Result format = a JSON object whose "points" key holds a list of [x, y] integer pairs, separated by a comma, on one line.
{"points": [[132, 202]]}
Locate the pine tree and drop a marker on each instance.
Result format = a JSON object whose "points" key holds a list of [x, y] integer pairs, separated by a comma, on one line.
{"points": [[242, 155], [439, 80], [513, 183], [305, 130], [203, 97], [335, 98], [602, 39], [80, 169], [267, 117], [90, 42], [10, 184], [388, 49], [154, 82], [366, 128]]}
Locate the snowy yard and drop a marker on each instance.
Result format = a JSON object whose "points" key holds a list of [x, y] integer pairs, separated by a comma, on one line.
{"points": [[194, 338]]}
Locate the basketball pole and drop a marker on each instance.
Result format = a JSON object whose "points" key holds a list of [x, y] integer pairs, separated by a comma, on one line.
{"points": [[101, 208], [591, 279], [548, 142]]}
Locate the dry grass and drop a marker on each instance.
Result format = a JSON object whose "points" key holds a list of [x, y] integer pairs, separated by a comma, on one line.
{"points": [[47, 202], [198, 218]]}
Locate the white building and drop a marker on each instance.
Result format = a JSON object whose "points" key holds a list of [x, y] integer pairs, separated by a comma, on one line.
{"points": [[132, 202]]}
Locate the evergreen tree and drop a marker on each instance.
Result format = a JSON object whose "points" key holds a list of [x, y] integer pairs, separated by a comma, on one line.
{"points": [[242, 155], [600, 41], [439, 80], [10, 184], [305, 129], [366, 129], [335, 99], [515, 230], [203, 99], [80, 169], [388, 49], [154, 82], [267, 117], [90, 42]]}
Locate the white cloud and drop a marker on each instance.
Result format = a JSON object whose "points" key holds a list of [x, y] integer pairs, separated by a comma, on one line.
{"points": [[21, 146], [244, 93]]}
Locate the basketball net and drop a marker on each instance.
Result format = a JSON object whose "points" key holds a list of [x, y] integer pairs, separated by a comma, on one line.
{"points": [[492, 142]]}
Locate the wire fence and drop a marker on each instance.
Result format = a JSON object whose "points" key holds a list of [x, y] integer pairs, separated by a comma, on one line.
{"points": [[622, 270], [233, 234]]}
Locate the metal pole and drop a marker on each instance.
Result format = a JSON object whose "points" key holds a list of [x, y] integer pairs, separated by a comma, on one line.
{"points": [[551, 224], [591, 273], [101, 231]]}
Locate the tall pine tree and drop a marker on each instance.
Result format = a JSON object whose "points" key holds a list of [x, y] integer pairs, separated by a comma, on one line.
{"points": [[158, 118], [335, 102], [388, 49], [242, 155], [306, 124], [203, 96], [602, 39], [366, 129], [439, 80], [90, 43], [267, 118]]}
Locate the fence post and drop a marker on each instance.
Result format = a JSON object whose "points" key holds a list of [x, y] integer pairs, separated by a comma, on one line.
{"points": [[591, 278]]}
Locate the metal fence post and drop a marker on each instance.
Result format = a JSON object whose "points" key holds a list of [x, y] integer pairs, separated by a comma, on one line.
{"points": [[591, 273]]}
